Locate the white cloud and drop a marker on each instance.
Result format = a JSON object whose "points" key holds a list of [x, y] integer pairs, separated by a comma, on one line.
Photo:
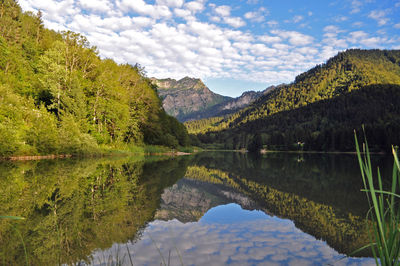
{"points": [[332, 28], [357, 24], [224, 15], [102, 6], [340, 18], [272, 23], [270, 39], [195, 6], [140, 7], [183, 13], [357, 35], [175, 38], [355, 6], [297, 19], [235, 22], [365, 40], [257, 16], [224, 11], [170, 3], [379, 16], [261, 49], [294, 37]]}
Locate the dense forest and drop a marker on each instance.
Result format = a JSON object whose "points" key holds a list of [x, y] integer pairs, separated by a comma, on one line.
{"points": [[58, 96], [320, 109]]}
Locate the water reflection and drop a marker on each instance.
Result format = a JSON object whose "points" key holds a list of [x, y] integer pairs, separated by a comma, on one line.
{"points": [[230, 235], [73, 207], [222, 207]]}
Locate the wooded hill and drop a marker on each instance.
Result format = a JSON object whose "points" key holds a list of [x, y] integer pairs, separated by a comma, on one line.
{"points": [[58, 96], [287, 119]]}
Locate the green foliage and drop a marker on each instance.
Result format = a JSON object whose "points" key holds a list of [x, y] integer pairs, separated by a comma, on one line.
{"points": [[43, 134], [58, 96], [384, 214]]}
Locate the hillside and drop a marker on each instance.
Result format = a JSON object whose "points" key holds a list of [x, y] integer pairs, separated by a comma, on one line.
{"points": [[58, 96], [347, 72], [190, 99], [326, 125]]}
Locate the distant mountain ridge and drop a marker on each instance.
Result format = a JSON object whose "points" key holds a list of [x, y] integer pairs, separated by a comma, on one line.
{"points": [[190, 99], [183, 97], [269, 120]]}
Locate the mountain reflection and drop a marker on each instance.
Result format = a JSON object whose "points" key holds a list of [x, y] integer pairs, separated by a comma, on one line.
{"points": [[228, 208]]}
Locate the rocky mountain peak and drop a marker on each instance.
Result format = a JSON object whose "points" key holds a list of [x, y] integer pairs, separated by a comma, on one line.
{"points": [[185, 83]]}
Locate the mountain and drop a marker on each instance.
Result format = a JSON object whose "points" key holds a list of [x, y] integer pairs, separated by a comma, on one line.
{"points": [[189, 199], [376, 71], [232, 105], [186, 96], [190, 99]]}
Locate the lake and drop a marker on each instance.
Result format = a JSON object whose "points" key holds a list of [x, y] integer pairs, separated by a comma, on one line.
{"points": [[211, 208]]}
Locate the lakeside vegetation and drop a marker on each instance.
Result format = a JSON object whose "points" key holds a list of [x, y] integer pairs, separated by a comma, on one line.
{"points": [[59, 97], [384, 213]]}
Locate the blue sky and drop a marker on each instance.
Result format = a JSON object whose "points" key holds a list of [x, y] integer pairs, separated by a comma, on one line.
{"points": [[233, 46]]}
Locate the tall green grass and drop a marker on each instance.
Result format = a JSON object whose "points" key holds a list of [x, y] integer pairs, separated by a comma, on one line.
{"points": [[383, 218]]}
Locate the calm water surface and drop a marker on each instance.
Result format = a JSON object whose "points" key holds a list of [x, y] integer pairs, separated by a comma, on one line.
{"points": [[207, 209]]}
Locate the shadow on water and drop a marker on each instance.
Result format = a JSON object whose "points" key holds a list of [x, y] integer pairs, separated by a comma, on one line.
{"points": [[74, 207]]}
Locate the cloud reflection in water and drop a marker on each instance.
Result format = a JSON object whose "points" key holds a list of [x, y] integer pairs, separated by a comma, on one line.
{"points": [[229, 235]]}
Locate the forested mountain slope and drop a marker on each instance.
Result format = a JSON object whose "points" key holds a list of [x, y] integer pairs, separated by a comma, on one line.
{"points": [[340, 76], [58, 96], [327, 125]]}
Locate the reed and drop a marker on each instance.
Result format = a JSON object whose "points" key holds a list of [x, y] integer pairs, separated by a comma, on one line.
{"points": [[383, 218]]}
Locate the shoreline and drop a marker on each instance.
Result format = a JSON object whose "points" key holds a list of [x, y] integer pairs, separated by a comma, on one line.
{"points": [[35, 157], [67, 156], [299, 152]]}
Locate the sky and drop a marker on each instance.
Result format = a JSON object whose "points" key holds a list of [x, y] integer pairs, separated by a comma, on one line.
{"points": [[233, 46]]}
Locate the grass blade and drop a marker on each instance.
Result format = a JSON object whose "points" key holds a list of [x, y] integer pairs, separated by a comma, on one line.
{"points": [[12, 217]]}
